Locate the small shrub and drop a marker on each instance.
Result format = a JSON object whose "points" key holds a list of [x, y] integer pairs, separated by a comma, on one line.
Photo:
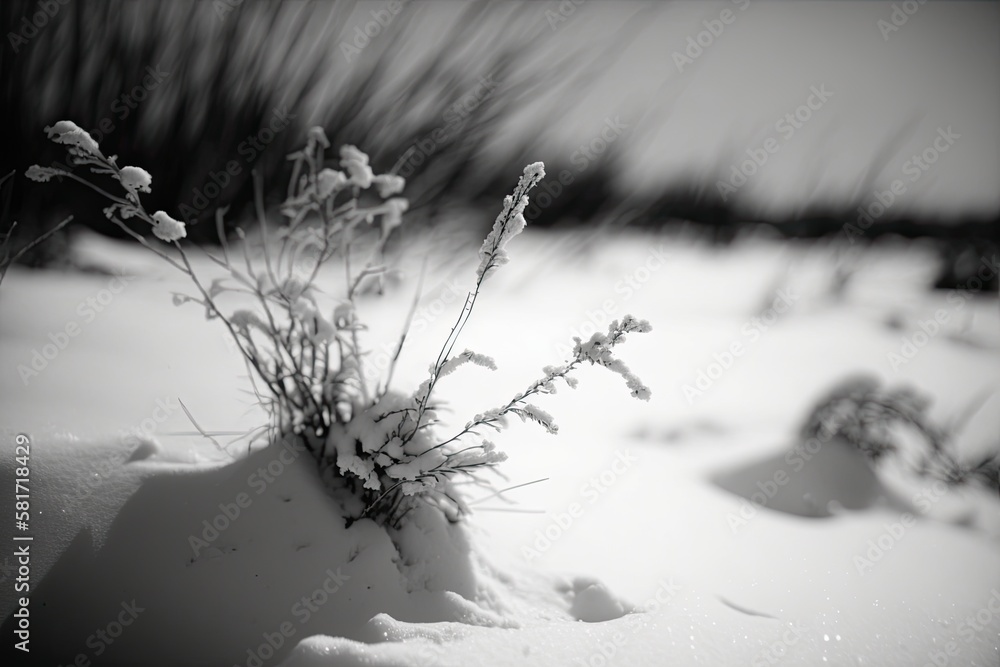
{"points": [[870, 416], [377, 449]]}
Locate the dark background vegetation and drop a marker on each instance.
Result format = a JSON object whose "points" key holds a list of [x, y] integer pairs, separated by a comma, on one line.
{"points": [[230, 71]]}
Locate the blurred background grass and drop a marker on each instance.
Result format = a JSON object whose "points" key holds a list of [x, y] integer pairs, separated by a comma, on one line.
{"points": [[458, 96]]}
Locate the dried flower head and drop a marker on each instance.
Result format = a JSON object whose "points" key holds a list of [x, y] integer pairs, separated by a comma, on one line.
{"points": [[329, 181], [135, 179], [392, 213], [69, 133], [389, 184], [509, 223], [41, 174], [317, 135], [356, 164], [168, 229]]}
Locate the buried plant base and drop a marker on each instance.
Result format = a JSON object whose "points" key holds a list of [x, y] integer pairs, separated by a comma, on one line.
{"points": [[225, 560]]}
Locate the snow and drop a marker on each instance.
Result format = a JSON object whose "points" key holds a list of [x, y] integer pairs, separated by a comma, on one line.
{"points": [[635, 545]]}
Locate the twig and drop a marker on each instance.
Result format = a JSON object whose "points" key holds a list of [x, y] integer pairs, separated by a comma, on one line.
{"points": [[5, 264], [202, 431]]}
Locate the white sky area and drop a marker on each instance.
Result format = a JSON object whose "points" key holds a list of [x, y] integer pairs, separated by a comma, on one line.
{"points": [[940, 69]]}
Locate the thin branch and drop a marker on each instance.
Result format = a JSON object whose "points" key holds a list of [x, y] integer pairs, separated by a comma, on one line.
{"points": [[406, 330], [503, 491], [5, 264], [202, 431]]}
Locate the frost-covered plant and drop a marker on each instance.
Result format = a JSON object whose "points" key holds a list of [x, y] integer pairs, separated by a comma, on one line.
{"points": [[392, 451], [870, 417], [377, 449]]}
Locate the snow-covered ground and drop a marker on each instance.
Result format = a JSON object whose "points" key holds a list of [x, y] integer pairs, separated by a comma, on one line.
{"points": [[627, 548]]}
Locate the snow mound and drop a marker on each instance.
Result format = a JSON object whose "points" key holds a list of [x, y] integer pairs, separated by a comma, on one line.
{"points": [[224, 564], [812, 481], [250, 563]]}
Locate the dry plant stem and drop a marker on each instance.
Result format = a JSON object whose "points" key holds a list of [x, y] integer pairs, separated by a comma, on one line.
{"points": [[200, 430], [402, 337], [5, 263], [141, 239], [141, 212], [456, 329], [258, 200], [276, 381], [248, 353], [99, 190], [520, 399], [513, 403], [443, 355], [500, 493]]}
